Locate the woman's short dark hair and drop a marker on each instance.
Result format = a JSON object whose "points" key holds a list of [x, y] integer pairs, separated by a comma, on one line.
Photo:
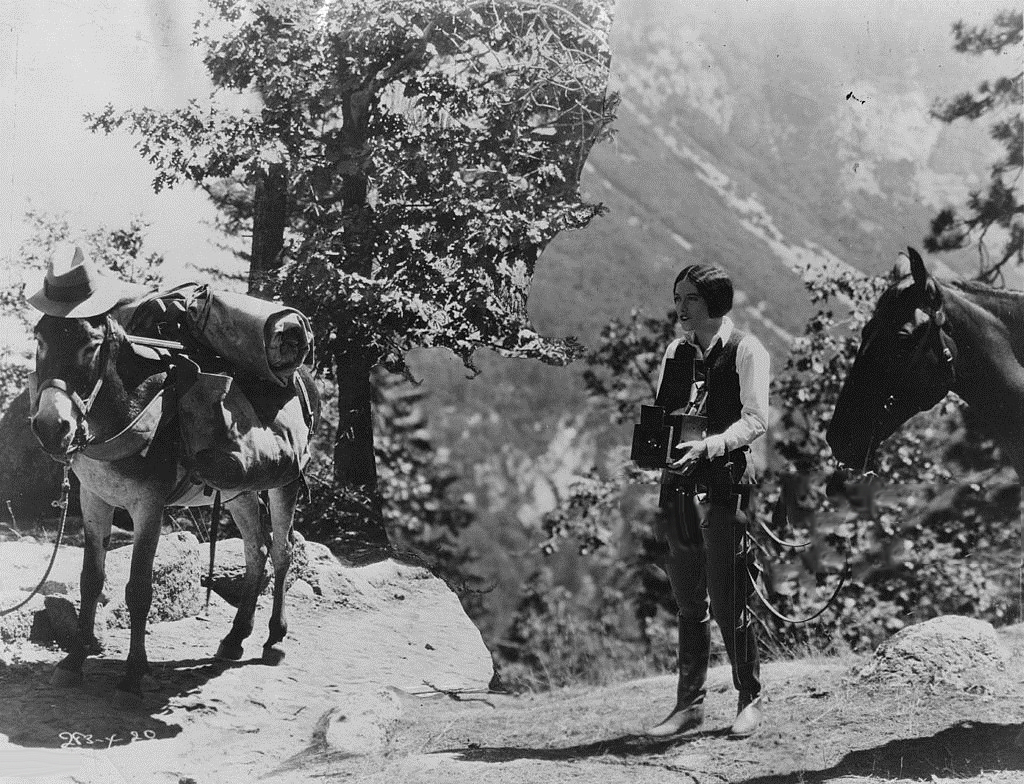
{"points": [[712, 283]]}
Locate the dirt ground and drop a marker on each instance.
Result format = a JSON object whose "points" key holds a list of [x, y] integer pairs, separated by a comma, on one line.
{"points": [[203, 720], [387, 682], [208, 722]]}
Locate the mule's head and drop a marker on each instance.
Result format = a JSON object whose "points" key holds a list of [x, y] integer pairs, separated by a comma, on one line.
{"points": [[905, 364], [72, 358]]}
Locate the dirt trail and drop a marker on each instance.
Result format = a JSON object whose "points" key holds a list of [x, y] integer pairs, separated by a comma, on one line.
{"points": [[355, 680], [227, 722]]}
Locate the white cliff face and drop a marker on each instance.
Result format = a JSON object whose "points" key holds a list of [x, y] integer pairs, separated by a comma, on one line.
{"points": [[672, 67], [876, 130]]}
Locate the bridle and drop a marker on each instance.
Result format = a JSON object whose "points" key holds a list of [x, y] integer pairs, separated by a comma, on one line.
{"points": [[937, 336], [82, 437]]}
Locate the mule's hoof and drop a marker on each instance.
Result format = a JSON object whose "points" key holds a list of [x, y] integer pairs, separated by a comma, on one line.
{"points": [[272, 655], [65, 679], [229, 651]]}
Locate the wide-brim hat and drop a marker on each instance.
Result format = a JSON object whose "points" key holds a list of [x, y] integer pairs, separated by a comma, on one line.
{"points": [[73, 288]]}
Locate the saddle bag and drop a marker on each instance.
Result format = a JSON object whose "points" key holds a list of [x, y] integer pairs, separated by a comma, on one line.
{"points": [[237, 438], [265, 340]]}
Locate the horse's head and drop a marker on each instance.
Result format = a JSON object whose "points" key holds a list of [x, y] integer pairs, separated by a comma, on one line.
{"points": [[905, 364], [73, 357]]}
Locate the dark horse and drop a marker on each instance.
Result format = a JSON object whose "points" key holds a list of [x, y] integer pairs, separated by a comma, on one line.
{"points": [[927, 338], [93, 385]]}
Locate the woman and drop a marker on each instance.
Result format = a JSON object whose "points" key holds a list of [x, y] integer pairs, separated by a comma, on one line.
{"points": [[704, 495]]}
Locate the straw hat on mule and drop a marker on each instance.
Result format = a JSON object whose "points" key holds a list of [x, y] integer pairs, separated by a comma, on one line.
{"points": [[73, 288]]}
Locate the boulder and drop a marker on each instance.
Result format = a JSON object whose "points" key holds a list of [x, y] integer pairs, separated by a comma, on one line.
{"points": [[177, 592], [29, 478], [950, 650], [17, 623], [312, 564], [60, 622], [360, 723], [229, 570]]}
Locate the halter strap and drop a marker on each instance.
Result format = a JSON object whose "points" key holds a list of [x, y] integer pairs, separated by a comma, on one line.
{"points": [[82, 438]]}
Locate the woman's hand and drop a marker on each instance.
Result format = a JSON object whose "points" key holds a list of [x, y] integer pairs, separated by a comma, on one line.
{"points": [[692, 453]]}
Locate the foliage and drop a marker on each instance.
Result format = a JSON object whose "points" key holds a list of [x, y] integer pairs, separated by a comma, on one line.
{"points": [[998, 206], [119, 251], [562, 636], [422, 517], [429, 152]]}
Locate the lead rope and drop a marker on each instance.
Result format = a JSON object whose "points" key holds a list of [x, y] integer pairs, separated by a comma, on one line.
{"points": [[62, 504]]}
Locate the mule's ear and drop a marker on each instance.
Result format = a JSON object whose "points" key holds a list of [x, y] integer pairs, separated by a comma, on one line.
{"points": [[917, 269], [114, 328]]}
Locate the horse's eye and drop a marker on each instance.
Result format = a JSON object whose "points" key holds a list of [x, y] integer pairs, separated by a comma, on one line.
{"points": [[86, 354], [40, 348]]}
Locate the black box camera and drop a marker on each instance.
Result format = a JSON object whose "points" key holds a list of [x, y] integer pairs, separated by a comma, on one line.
{"points": [[658, 433]]}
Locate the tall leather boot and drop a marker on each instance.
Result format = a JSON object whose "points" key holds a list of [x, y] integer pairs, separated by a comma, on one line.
{"points": [[694, 650]]}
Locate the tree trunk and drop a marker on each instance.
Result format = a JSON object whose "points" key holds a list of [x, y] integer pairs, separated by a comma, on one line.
{"points": [[269, 216], [355, 463]]}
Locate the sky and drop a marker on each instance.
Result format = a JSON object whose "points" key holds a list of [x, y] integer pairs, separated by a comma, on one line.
{"points": [[59, 60], [62, 58]]}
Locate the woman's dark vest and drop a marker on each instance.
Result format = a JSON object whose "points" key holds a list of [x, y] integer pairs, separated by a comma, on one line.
{"points": [[723, 408]]}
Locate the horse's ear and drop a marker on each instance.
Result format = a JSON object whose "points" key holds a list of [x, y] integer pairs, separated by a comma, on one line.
{"points": [[901, 269], [917, 269]]}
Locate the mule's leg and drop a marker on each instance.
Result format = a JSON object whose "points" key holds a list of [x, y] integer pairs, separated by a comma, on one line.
{"points": [[245, 511], [96, 519], [147, 515], [282, 510]]}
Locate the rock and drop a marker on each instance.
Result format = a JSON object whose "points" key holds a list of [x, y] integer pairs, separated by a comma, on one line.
{"points": [[29, 478], [361, 723], [177, 592], [312, 563], [330, 579], [17, 625], [57, 588], [301, 590], [229, 570], [62, 619], [949, 650]]}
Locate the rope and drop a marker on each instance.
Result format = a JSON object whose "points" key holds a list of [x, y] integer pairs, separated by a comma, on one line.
{"points": [[788, 619], [62, 504]]}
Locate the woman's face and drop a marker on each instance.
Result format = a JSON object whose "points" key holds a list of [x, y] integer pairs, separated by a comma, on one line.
{"points": [[691, 308]]}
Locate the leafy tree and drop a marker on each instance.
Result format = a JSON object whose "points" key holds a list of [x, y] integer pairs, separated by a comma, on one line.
{"points": [[999, 204], [406, 161]]}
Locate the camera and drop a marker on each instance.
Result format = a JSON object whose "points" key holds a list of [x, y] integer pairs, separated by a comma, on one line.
{"points": [[659, 432]]}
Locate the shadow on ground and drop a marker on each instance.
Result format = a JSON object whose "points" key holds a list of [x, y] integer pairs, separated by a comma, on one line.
{"points": [[960, 751], [623, 746], [95, 714]]}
